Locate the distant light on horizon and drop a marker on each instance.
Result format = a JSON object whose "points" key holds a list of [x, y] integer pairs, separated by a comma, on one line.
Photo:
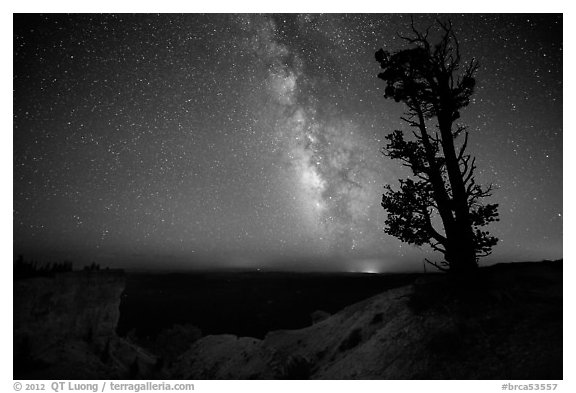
{"points": [[367, 266]]}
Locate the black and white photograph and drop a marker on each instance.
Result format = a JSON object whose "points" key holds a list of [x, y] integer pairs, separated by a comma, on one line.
{"points": [[287, 196]]}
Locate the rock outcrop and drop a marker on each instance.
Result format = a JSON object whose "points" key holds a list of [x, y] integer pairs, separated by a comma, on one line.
{"points": [[64, 327], [505, 325]]}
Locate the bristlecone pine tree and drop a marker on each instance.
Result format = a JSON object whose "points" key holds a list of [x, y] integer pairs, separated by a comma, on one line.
{"points": [[434, 85]]}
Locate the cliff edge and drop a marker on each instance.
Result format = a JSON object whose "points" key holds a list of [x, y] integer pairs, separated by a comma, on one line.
{"points": [[64, 327]]}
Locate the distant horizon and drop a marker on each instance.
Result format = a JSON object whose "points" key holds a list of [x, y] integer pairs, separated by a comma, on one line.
{"points": [[301, 265]]}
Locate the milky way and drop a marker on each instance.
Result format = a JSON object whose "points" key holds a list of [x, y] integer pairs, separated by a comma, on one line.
{"points": [[184, 141], [330, 165]]}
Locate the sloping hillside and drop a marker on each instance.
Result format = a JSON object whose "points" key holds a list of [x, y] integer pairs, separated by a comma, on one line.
{"points": [[506, 324]]}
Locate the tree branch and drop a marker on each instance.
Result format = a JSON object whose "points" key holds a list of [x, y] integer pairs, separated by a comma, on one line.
{"points": [[471, 169], [433, 232], [464, 145], [437, 266]]}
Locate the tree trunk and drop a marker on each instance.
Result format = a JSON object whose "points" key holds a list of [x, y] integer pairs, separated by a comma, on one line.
{"points": [[462, 253], [435, 175], [459, 245]]}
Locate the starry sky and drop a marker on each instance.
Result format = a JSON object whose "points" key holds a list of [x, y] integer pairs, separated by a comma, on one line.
{"points": [[207, 141]]}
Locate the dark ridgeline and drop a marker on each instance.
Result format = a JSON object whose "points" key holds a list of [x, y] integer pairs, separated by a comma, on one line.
{"points": [[435, 85]]}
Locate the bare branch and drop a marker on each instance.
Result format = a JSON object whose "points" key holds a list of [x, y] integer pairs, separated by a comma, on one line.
{"points": [[416, 135], [433, 232], [435, 247], [476, 192], [468, 177], [463, 148], [412, 123], [437, 266], [418, 38], [464, 163]]}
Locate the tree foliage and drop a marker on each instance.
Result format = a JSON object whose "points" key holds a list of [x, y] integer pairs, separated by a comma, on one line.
{"points": [[435, 86]]}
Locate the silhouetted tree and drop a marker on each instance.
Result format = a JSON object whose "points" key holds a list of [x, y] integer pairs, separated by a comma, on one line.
{"points": [[435, 85], [24, 269], [92, 267]]}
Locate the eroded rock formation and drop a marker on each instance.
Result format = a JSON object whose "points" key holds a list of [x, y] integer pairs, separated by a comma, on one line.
{"points": [[64, 327]]}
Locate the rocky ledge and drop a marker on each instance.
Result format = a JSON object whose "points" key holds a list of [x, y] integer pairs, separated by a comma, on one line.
{"points": [[505, 324]]}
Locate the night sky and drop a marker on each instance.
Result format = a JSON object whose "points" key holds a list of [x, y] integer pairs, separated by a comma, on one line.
{"points": [[194, 141]]}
